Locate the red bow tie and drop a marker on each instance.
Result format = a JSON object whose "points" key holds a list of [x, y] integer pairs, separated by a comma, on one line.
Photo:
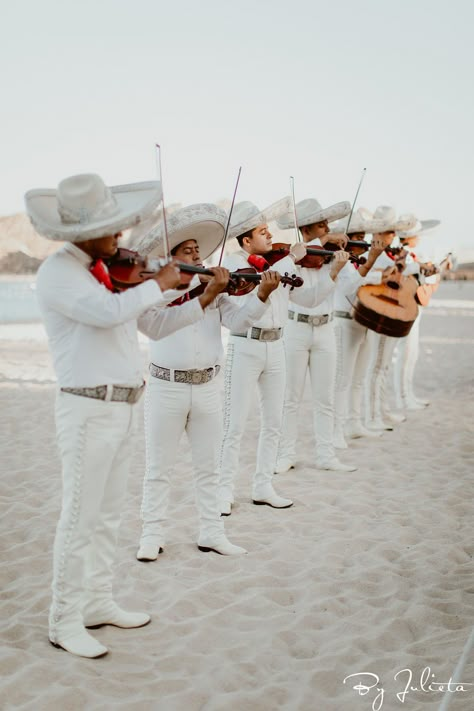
{"points": [[259, 262], [99, 270]]}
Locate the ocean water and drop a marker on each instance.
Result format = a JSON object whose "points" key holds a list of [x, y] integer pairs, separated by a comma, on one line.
{"points": [[18, 303]]}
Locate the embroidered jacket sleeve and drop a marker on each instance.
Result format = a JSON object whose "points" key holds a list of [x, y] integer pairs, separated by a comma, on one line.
{"points": [[157, 323], [70, 289], [238, 316]]}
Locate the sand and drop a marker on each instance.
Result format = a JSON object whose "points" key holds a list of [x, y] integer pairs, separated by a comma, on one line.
{"points": [[369, 572]]}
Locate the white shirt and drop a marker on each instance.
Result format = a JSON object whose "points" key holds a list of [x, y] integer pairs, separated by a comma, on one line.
{"points": [[348, 282], [200, 345], [276, 315], [92, 332], [312, 278]]}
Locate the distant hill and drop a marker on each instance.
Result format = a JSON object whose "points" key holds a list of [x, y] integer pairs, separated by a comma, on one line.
{"points": [[21, 248]]}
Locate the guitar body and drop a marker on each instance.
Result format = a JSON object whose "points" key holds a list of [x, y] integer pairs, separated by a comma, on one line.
{"points": [[390, 310]]}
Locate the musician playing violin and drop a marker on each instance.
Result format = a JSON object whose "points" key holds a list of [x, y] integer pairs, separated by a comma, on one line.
{"points": [[310, 341], [92, 335], [407, 348], [183, 394], [256, 358]]}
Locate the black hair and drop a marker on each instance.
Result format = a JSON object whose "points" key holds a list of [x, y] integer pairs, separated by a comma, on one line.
{"points": [[240, 238]]}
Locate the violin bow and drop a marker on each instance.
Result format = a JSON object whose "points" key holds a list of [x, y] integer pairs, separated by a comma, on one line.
{"points": [[355, 200], [292, 188], [165, 226], [229, 217]]}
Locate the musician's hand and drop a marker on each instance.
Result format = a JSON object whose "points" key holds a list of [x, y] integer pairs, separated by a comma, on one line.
{"points": [[269, 283], [428, 269], [218, 283], [337, 263], [389, 273], [168, 277], [378, 245], [338, 238], [298, 251]]}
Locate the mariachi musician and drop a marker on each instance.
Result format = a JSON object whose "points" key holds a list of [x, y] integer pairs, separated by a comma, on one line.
{"points": [[183, 393], [376, 367], [351, 335], [255, 356], [310, 342], [407, 348], [92, 335]]}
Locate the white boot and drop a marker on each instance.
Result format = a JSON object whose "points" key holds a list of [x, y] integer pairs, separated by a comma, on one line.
{"points": [[356, 429], [283, 465], [225, 508], [109, 613], [267, 496], [335, 465], [148, 552], [221, 545], [82, 644]]}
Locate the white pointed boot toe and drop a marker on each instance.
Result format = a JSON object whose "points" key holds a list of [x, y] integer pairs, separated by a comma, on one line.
{"points": [[267, 496], [81, 644], [335, 465], [221, 545]]}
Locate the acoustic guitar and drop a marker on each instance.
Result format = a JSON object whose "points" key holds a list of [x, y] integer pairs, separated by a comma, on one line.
{"points": [[389, 309]]}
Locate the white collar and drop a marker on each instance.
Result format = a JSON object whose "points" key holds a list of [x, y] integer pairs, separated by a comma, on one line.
{"points": [[79, 254]]}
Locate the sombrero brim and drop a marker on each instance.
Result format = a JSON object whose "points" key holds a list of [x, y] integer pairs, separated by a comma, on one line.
{"points": [[135, 203], [204, 222], [270, 214], [331, 214]]}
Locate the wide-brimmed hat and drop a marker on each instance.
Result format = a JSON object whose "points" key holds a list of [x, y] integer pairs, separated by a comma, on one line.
{"points": [[246, 216], [310, 211], [83, 207], [385, 219], [419, 227], [203, 222], [358, 223]]}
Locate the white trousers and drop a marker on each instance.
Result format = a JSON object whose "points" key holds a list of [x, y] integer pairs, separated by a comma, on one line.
{"points": [[377, 376], [406, 355], [170, 410], [251, 366], [314, 348], [357, 389], [350, 337], [95, 444]]}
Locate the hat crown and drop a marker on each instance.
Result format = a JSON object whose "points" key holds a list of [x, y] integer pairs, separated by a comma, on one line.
{"points": [[244, 211], [82, 199], [385, 213], [307, 207]]}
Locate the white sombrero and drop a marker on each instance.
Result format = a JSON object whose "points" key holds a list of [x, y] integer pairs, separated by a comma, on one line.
{"points": [[385, 219], [203, 222], [83, 207], [419, 227], [358, 223], [246, 216], [309, 211]]}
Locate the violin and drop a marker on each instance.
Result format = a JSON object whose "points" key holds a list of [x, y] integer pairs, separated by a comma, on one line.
{"points": [[128, 268], [314, 258]]}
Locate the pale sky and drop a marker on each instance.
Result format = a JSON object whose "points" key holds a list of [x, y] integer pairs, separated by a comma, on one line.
{"points": [[317, 90]]}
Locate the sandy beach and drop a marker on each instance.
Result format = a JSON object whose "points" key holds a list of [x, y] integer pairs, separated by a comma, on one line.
{"points": [[368, 572]]}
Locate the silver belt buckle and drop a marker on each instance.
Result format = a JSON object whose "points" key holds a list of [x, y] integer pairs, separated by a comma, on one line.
{"points": [[197, 376], [268, 334]]}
